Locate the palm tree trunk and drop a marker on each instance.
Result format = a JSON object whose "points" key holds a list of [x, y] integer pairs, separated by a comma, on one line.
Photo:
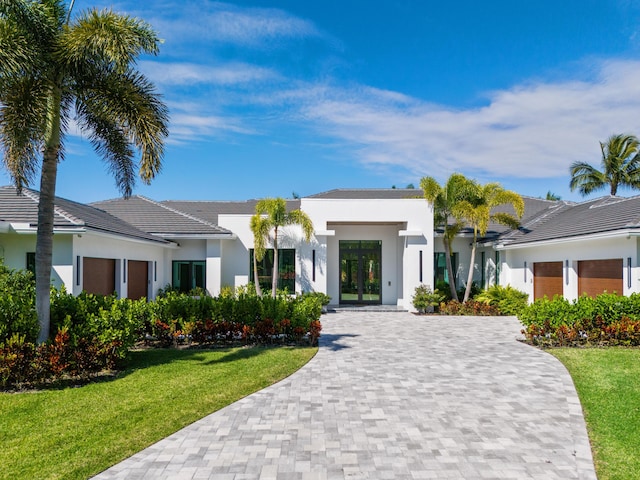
{"points": [[256, 282], [447, 260], [274, 271], [467, 290], [44, 235]]}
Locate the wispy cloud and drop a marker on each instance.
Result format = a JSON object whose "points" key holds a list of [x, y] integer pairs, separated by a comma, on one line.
{"points": [[533, 130], [226, 23], [168, 73]]}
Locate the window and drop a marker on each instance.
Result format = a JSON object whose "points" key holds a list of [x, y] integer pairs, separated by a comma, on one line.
{"points": [[188, 275], [31, 262], [440, 273], [286, 269]]}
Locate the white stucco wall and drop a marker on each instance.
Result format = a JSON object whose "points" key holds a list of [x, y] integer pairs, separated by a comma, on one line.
{"points": [[405, 227], [14, 248], [515, 273]]}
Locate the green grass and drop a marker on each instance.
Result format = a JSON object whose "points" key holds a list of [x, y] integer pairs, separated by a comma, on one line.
{"points": [[73, 433], [608, 383]]}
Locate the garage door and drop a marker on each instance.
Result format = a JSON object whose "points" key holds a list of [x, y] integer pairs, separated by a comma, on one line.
{"points": [[547, 279], [596, 276], [99, 275], [138, 279]]}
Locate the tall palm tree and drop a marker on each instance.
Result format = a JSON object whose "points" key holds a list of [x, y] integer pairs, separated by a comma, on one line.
{"points": [[444, 200], [54, 69], [271, 214], [476, 212], [620, 167]]}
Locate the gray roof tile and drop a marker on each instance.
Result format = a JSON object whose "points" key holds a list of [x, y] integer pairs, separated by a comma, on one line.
{"points": [[159, 218], [68, 214], [209, 210], [566, 220], [369, 193]]}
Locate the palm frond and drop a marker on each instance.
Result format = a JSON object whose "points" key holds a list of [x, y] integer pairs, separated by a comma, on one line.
{"points": [[22, 116], [107, 39]]}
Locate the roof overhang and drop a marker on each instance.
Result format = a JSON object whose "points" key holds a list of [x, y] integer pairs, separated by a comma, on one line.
{"points": [[626, 233], [30, 229], [411, 233], [192, 236]]}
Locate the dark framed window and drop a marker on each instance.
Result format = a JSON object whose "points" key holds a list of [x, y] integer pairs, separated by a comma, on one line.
{"points": [[286, 269], [31, 262], [188, 275], [440, 273]]}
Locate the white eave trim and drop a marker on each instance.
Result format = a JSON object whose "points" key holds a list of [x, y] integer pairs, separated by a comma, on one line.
{"points": [[191, 236], [411, 233], [27, 228], [556, 241], [325, 233]]}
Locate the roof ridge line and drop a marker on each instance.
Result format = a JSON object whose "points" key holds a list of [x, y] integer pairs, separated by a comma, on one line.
{"points": [[56, 209], [179, 212]]}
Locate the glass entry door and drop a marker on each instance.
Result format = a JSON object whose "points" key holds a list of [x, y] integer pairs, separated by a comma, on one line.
{"points": [[360, 271]]}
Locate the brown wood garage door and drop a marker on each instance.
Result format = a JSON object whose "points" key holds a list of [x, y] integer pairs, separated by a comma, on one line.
{"points": [[99, 275], [547, 279], [138, 279], [596, 276]]}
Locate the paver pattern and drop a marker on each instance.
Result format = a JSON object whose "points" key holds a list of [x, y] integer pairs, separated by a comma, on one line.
{"points": [[392, 396]]}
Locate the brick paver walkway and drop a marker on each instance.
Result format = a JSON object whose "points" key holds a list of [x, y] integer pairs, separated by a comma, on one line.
{"points": [[392, 396]]}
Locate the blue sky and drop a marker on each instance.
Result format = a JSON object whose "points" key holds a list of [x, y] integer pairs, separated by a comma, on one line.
{"points": [[273, 97]]}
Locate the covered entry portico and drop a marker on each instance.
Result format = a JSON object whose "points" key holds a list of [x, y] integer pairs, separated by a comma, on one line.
{"points": [[370, 246]]}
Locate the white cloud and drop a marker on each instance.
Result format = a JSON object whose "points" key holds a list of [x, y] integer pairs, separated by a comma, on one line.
{"points": [[190, 73], [226, 23], [533, 130]]}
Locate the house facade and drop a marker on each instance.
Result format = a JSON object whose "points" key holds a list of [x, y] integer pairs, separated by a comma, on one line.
{"points": [[369, 246]]}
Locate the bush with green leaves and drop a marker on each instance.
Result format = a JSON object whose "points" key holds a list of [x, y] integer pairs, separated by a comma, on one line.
{"points": [[17, 304], [607, 319], [425, 300], [510, 301]]}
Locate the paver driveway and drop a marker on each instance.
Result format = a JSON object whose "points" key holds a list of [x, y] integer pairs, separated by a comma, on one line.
{"points": [[393, 396]]}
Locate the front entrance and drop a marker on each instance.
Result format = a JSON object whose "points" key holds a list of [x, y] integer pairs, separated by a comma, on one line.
{"points": [[360, 271]]}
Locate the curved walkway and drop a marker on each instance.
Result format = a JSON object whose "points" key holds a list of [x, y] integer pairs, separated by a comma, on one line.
{"points": [[392, 396]]}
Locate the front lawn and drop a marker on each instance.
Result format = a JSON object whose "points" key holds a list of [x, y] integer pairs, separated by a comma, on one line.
{"points": [[608, 383], [74, 433]]}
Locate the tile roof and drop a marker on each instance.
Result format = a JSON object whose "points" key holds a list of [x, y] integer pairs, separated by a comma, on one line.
{"points": [[566, 220], [370, 193], [159, 218], [209, 210], [23, 208]]}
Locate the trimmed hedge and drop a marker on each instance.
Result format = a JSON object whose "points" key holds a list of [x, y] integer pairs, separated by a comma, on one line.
{"points": [[92, 333], [606, 319]]}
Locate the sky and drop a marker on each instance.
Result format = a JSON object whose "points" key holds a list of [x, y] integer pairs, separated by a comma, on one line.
{"points": [[283, 97]]}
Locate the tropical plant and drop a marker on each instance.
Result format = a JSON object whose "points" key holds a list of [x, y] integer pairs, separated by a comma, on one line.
{"points": [[510, 301], [620, 167], [477, 212], [425, 300], [54, 69], [444, 199], [271, 214]]}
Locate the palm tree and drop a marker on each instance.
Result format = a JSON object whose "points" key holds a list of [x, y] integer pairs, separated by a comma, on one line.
{"points": [[271, 214], [54, 69], [620, 167], [476, 212], [444, 200]]}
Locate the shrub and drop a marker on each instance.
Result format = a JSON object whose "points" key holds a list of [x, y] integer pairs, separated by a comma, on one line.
{"points": [[425, 300], [17, 305], [606, 319], [323, 297], [509, 300], [471, 307]]}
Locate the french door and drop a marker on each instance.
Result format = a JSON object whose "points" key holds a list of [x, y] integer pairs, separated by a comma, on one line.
{"points": [[360, 271]]}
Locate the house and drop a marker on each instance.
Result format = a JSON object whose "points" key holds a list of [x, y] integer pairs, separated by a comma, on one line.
{"points": [[92, 250], [369, 246]]}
